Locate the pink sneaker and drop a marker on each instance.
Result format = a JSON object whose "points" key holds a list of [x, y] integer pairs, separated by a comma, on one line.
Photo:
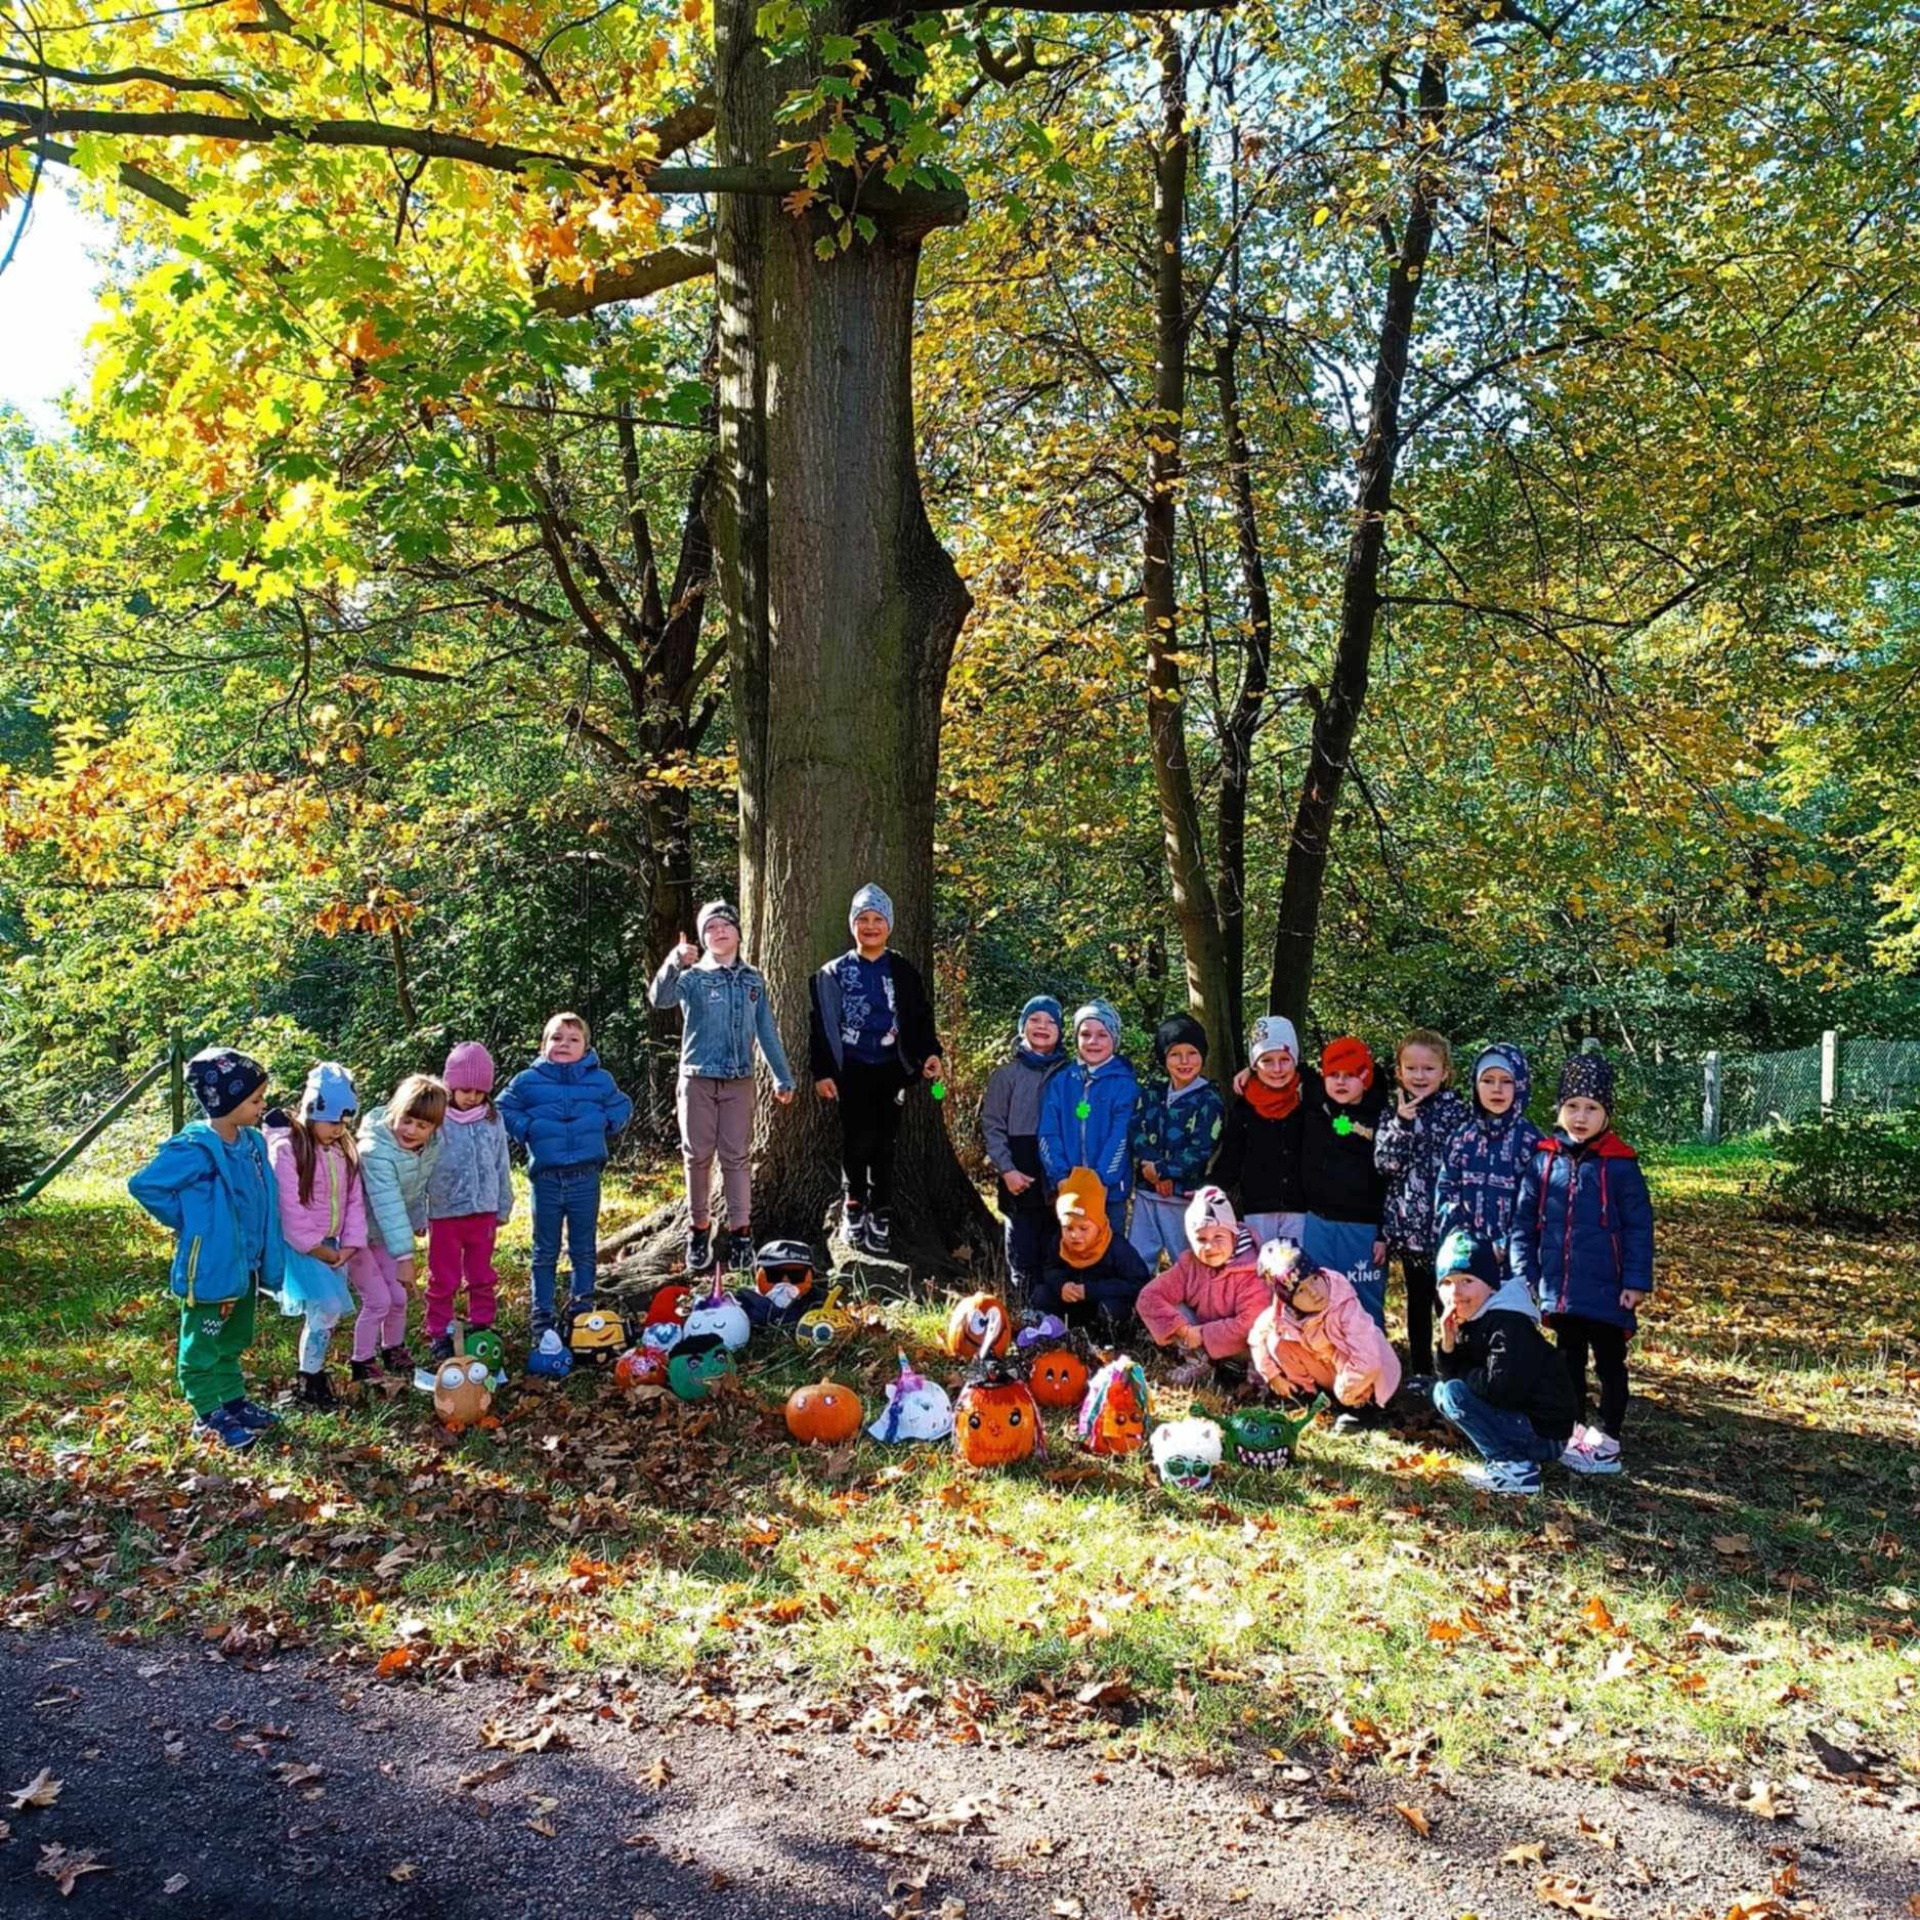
{"points": [[1592, 1451]]}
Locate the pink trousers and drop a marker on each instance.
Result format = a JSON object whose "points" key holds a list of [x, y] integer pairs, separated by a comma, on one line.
{"points": [[461, 1250], [383, 1302]]}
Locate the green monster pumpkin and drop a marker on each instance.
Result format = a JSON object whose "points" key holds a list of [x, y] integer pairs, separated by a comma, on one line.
{"points": [[1266, 1436], [697, 1365], [482, 1343]]}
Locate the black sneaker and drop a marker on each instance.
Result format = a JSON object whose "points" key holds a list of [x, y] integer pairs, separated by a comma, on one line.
{"points": [[853, 1226], [251, 1415], [368, 1372], [442, 1349], [1367, 1419], [879, 1233], [699, 1249], [740, 1252], [315, 1390]]}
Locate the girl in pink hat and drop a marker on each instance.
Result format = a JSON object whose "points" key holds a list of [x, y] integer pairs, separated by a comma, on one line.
{"points": [[469, 1199]]}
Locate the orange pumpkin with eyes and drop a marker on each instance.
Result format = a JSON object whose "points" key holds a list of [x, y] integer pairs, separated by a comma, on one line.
{"points": [[824, 1414], [1113, 1417], [1059, 1377], [980, 1325], [996, 1420]]}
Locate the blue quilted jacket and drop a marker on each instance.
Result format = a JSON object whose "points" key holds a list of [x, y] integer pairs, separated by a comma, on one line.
{"points": [[565, 1116]]}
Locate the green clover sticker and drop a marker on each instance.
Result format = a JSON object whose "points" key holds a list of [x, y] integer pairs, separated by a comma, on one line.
{"points": [[1083, 1111], [938, 1089], [1342, 1126]]}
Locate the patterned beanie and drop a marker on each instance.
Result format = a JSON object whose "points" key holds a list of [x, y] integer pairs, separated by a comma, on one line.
{"points": [[720, 910], [1462, 1252], [1272, 1033], [870, 899], [1209, 1207], [222, 1077], [328, 1094], [1587, 1076], [1178, 1030], [1102, 1011]]}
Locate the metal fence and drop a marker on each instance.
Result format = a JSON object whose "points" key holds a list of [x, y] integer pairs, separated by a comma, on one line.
{"points": [[1750, 1092]]}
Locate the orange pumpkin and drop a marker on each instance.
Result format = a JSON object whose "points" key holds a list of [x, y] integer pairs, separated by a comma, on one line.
{"points": [[641, 1367], [996, 1420], [824, 1414], [980, 1325], [1113, 1417], [1059, 1377]]}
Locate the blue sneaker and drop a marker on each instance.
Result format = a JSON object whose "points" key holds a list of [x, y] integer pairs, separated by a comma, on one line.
{"points": [[252, 1415], [1515, 1477], [226, 1426]]}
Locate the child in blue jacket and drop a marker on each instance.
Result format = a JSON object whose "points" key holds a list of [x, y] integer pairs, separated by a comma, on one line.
{"points": [[1176, 1132], [565, 1110], [212, 1186], [1086, 1113], [1582, 1240]]}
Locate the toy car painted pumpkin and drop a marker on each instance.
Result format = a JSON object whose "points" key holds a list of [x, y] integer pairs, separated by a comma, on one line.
{"points": [[979, 1325], [1113, 1416], [1266, 1437], [916, 1409], [697, 1364], [824, 1413], [824, 1325], [641, 1367], [996, 1420], [720, 1314], [1058, 1377], [1185, 1453], [595, 1335], [461, 1392], [549, 1359]]}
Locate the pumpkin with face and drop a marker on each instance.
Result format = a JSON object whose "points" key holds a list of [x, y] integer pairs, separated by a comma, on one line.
{"points": [[697, 1364], [595, 1335], [1113, 1416], [461, 1393], [721, 1315], [641, 1367], [916, 1409], [665, 1318], [1058, 1377], [978, 1326], [824, 1414], [783, 1284], [996, 1420], [549, 1359], [825, 1325], [1266, 1437], [1185, 1453], [482, 1343]]}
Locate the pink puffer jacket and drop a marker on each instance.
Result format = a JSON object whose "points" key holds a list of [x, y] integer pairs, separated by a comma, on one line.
{"points": [[1338, 1350], [1223, 1302], [338, 1208]]}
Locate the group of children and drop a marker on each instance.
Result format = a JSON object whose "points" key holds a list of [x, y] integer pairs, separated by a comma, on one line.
{"points": [[1280, 1207]]}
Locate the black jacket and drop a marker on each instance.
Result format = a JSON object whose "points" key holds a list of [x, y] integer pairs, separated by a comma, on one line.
{"points": [[1506, 1361], [913, 1014], [1259, 1160], [1338, 1179], [1113, 1284]]}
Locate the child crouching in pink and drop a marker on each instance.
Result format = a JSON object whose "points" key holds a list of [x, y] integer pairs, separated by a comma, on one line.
{"points": [[1208, 1300], [469, 1199], [1316, 1336]]}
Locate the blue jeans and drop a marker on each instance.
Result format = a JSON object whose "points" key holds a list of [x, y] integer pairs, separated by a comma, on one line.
{"points": [[569, 1197], [1347, 1247], [1498, 1434], [1158, 1225]]}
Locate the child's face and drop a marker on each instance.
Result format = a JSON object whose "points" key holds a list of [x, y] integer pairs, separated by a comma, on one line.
{"points": [[1183, 1065], [1303, 1291], [326, 1133], [723, 941], [1421, 1071], [870, 931], [564, 1044], [1277, 1069], [1212, 1245], [1583, 1118], [1345, 1089], [1079, 1233], [1094, 1041], [1042, 1032], [467, 1098], [1462, 1295], [413, 1133], [1495, 1087], [252, 1110]]}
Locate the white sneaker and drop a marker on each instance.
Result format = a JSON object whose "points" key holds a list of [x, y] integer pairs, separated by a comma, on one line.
{"points": [[1189, 1373], [1592, 1451], [1516, 1477]]}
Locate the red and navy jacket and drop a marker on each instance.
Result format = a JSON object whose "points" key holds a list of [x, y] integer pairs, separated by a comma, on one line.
{"points": [[1583, 1227]]}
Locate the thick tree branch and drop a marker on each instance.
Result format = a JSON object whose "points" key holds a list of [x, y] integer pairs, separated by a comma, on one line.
{"points": [[668, 266], [134, 179]]}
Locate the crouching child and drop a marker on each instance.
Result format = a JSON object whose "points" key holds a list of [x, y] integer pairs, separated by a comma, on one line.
{"points": [[1207, 1301], [1316, 1336], [1094, 1277]]}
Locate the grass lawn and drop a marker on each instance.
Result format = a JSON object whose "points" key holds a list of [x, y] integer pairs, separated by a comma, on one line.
{"points": [[1755, 1573]]}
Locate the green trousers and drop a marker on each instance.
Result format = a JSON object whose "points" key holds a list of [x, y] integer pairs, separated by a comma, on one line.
{"points": [[213, 1336]]}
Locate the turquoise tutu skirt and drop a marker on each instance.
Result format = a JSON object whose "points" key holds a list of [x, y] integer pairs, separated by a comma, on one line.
{"points": [[312, 1286]]}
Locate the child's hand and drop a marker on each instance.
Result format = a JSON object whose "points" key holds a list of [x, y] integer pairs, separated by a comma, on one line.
{"points": [[930, 1067], [826, 1090], [1017, 1182], [686, 952], [1405, 1104], [1150, 1174], [1631, 1298], [1380, 1254], [783, 1096], [1073, 1293], [1449, 1330], [1164, 1188], [403, 1272], [1241, 1078], [1190, 1337]]}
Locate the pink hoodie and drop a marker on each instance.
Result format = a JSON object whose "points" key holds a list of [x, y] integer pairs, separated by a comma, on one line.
{"points": [[1339, 1349], [1222, 1301], [338, 1208]]}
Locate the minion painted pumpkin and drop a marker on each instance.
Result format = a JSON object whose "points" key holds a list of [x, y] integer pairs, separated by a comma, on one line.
{"points": [[697, 1364], [1185, 1453], [825, 1325], [1113, 1417], [641, 1367], [978, 1326], [996, 1420], [461, 1393], [1266, 1437], [916, 1409], [783, 1284], [824, 1413], [720, 1315], [595, 1336]]}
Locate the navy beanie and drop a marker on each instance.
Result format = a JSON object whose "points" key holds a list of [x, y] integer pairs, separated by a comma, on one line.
{"points": [[1587, 1076], [222, 1077], [1462, 1252]]}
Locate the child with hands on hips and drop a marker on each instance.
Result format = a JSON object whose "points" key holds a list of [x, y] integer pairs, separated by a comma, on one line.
{"points": [[1176, 1132], [1095, 1276], [1207, 1302], [399, 1149], [1010, 1125], [469, 1199]]}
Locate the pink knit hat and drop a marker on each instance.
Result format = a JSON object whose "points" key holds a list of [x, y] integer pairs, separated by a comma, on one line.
{"points": [[469, 1068]]}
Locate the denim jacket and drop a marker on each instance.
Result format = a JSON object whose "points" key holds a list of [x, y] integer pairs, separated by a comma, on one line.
{"points": [[725, 1010]]}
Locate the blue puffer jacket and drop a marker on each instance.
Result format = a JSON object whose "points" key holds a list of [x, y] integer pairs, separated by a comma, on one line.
{"points": [[564, 1116], [1100, 1141], [189, 1186], [1583, 1228]]}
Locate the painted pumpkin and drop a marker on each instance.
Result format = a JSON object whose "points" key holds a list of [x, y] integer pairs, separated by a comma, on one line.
{"points": [[826, 1324], [665, 1318], [482, 1343], [461, 1393], [783, 1276], [978, 1326], [916, 1409], [721, 1315], [550, 1359], [1113, 1417], [595, 1335], [996, 1420], [697, 1364], [641, 1367], [1185, 1453], [1266, 1437], [824, 1414], [1058, 1377]]}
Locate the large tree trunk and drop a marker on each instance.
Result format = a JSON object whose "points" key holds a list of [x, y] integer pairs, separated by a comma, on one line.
{"points": [[842, 609], [1337, 715]]}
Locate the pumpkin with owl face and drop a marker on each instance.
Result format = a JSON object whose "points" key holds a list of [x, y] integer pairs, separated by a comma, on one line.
{"points": [[1113, 1417], [996, 1420], [462, 1391], [825, 1325], [978, 1326], [824, 1413]]}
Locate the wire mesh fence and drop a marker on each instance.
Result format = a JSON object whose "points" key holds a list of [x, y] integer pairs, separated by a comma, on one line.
{"points": [[1730, 1093]]}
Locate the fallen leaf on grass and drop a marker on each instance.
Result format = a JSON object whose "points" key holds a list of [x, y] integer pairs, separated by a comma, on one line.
{"points": [[1568, 1895], [1066, 1909], [544, 1827], [403, 1872], [64, 1868], [41, 1791], [174, 1883], [1105, 1693], [1529, 1853], [657, 1775], [1596, 1616], [1414, 1818], [1764, 1802], [295, 1773], [1733, 1546]]}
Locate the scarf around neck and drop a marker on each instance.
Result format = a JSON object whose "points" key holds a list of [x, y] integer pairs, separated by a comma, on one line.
{"points": [[1273, 1103]]}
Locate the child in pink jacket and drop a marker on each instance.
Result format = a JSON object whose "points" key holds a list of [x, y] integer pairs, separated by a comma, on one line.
{"points": [[1315, 1336], [1210, 1297], [323, 1216]]}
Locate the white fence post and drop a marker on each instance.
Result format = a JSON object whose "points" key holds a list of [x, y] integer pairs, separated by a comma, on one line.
{"points": [[1710, 1101], [1829, 1073]]}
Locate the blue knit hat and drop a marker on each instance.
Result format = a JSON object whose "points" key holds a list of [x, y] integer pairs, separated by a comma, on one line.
{"points": [[329, 1094], [870, 898], [1587, 1076], [1040, 1003], [1462, 1252], [1102, 1011], [222, 1077]]}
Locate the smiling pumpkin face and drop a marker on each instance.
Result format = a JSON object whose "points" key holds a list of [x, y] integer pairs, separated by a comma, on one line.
{"points": [[1059, 1378], [595, 1335], [978, 1326], [996, 1420], [824, 1414], [697, 1365]]}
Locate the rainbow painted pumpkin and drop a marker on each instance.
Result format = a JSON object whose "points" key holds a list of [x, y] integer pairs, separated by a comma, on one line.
{"points": [[1113, 1417]]}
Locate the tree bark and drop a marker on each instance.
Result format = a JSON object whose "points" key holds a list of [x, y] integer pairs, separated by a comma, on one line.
{"points": [[842, 609], [1210, 994], [1337, 716]]}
